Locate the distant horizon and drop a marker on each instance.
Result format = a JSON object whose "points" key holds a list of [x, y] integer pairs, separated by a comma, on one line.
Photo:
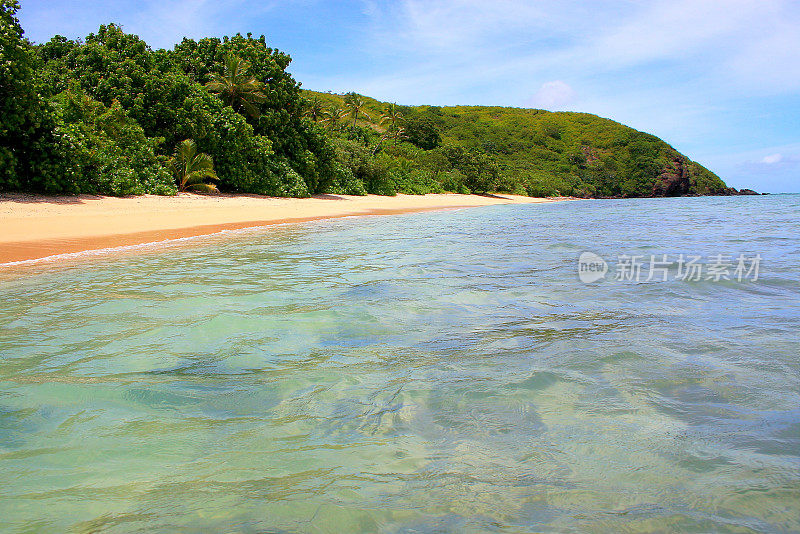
{"points": [[716, 81]]}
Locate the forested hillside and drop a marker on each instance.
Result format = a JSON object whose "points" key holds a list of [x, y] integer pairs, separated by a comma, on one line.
{"points": [[109, 115], [534, 152]]}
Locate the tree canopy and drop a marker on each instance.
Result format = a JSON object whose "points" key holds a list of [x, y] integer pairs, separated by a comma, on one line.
{"points": [[25, 124]]}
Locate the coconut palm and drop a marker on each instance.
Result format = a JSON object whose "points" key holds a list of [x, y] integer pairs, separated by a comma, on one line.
{"points": [[332, 117], [237, 88], [399, 134], [392, 117], [379, 145], [354, 104], [313, 109], [192, 169]]}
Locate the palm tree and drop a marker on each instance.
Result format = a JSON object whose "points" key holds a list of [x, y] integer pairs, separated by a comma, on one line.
{"points": [[192, 169], [399, 134], [392, 117], [379, 144], [313, 109], [332, 117], [237, 88], [354, 104]]}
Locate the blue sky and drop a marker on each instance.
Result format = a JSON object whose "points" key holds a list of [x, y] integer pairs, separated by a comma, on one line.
{"points": [[717, 79]]}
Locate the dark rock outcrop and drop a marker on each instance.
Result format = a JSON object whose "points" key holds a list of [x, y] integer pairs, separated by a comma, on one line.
{"points": [[732, 191], [673, 181]]}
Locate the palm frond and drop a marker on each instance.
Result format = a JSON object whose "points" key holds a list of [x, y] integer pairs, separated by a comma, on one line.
{"points": [[236, 87], [191, 168], [256, 96], [202, 162], [216, 87], [186, 150], [250, 108], [196, 177], [203, 188]]}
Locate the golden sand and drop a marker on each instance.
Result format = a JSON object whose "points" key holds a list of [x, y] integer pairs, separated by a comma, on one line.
{"points": [[37, 226]]}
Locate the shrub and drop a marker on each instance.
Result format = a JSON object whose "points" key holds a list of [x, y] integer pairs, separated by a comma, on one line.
{"points": [[99, 150]]}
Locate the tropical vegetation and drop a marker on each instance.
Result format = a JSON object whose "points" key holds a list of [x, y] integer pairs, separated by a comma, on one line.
{"points": [[524, 151], [110, 115], [192, 170]]}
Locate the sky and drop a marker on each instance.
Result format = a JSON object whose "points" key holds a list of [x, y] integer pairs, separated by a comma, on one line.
{"points": [[717, 79]]}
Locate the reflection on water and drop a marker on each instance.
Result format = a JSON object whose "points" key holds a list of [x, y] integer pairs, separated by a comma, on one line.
{"points": [[417, 373]]}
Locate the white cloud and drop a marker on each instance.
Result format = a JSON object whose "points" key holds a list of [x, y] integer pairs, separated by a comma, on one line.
{"points": [[748, 168], [449, 25], [674, 28], [553, 95], [774, 173], [740, 47]]}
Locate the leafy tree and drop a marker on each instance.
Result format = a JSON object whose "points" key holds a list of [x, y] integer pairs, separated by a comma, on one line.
{"points": [[101, 151], [480, 171], [193, 169], [114, 66], [422, 132], [281, 121], [25, 122], [237, 88]]}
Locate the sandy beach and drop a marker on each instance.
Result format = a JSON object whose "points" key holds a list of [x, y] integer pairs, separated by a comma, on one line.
{"points": [[35, 227]]}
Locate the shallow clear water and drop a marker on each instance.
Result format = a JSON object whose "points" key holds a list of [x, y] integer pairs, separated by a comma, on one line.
{"points": [[428, 372]]}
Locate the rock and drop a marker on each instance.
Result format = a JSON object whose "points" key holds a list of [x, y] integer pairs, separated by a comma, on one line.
{"points": [[673, 180]]}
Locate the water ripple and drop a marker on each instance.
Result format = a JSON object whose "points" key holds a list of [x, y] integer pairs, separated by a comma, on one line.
{"points": [[418, 373]]}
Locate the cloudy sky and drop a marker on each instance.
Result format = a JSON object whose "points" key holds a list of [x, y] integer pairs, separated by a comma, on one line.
{"points": [[717, 79]]}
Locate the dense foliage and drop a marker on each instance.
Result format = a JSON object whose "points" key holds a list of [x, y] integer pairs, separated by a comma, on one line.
{"points": [[105, 116], [24, 120], [100, 150], [525, 151]]}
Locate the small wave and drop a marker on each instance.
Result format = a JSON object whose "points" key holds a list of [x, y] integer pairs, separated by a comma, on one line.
{"points": [[103, 251]]}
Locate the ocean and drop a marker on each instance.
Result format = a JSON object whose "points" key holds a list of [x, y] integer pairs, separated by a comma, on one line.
{"points": [[590, 366]]}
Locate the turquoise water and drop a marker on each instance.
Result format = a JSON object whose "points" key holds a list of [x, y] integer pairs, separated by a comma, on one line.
{"points": [[437, 372]]}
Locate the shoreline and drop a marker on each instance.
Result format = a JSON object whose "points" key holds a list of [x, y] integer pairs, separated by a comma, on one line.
{"points": [[37, 227]]}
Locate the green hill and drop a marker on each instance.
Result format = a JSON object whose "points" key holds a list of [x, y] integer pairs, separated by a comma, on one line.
{"points": [[110, 115], [545, 153]]}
